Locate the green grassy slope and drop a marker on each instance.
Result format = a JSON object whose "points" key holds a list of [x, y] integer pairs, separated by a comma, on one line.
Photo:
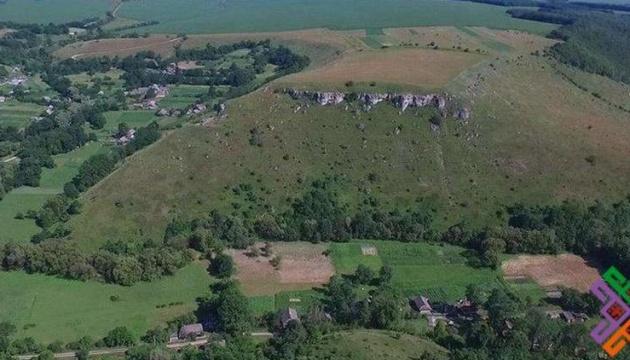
{"points": [[49, 308], [528, 140], [200, 16], [373, 345], [66, 167]]}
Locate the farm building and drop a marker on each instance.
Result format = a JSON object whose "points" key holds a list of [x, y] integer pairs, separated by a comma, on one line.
{"points": [[421, 305], [286, 316], [126, 138], [190, 331]]}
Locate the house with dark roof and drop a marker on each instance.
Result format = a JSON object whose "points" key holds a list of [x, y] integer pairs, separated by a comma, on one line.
{"points": [[421, 305], [286, 316]]}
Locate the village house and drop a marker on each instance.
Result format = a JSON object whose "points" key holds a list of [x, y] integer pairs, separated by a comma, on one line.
{"points": [[190, 331], [2, 99], [567, 316], [286, 316], [124, 139], [75, 31], [421, 305]]}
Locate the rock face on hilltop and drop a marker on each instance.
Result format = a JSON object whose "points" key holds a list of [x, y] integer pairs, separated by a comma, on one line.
{"points": [[400, 101]]}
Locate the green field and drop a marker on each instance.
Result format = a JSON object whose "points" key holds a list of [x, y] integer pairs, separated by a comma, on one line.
{"points": [[133, 119], [49, 308], [18, 114], [202, 16], [439, 272], [182, 96], [55, 11], [373, 345], [299, 299], [27, 198]]}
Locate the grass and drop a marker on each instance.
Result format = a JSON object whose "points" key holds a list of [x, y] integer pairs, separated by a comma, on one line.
{"points": [[52, 180], [440, 272], [67, 310], [527, 141], [133, 119], [387, 67], [182, 96], [272, 303], [200, 16], [22, 199], [373, 345], [18, 114], [55, 11]]}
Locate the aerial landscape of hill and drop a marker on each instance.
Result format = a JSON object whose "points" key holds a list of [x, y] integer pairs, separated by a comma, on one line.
{"points": [[274, 179]]}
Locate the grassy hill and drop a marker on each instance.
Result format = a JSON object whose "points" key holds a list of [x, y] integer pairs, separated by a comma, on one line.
{"points": [[534, 137]]}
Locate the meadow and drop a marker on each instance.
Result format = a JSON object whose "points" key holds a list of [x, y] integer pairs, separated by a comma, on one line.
{"points": [[182, 96], [201, 16], [50, 309], [18, 114], [374, 345], [439, 272], [26, 198], [55, 11]]}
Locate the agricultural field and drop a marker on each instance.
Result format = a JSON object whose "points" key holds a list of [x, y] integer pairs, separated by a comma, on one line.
{"points": [[374, 345], [549, 271], [18, 114], [52, 11], [391, 69], [183, 96], [160, 44], [200, 16], [49, 309], [302, 267], [439, 272]]}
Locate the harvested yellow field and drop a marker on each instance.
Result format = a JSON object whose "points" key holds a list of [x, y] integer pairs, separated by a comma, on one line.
{"points": [[422, 68]]}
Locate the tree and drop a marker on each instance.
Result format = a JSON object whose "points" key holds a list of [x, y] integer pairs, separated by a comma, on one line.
{"points": [[156, 336], [363, 275], [6, 331], [46, 355], [386, 274], [386, 308], [233, 313], [222, 266], [476, 294], [340, 300], [120, 336]]}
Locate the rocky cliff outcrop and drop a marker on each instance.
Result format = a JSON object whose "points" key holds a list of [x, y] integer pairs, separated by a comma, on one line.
{"points": [[401, 101]]}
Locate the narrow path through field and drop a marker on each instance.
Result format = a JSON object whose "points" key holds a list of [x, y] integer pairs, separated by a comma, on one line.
{"points": [[138, 47]]}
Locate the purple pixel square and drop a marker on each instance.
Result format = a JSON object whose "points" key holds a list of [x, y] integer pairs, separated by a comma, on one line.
{"points": [[609, 298]]}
